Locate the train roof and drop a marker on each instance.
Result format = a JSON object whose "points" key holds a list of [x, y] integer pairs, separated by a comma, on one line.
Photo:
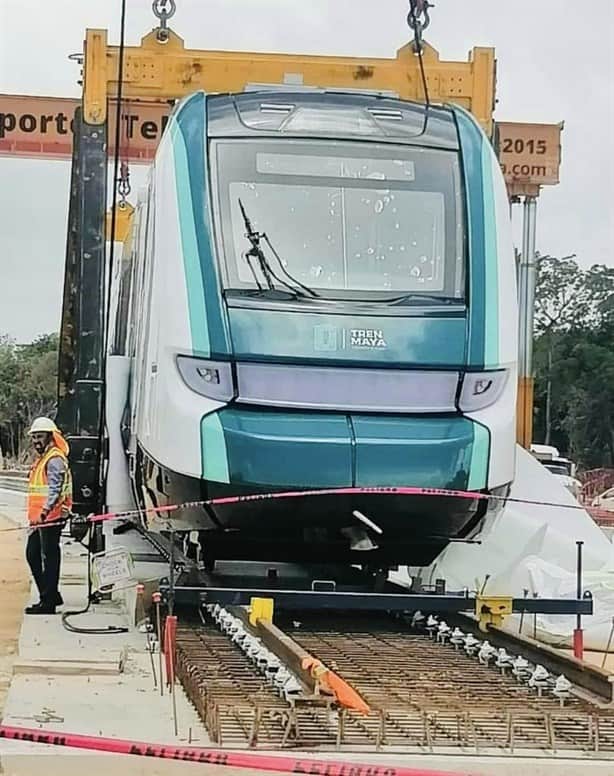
{"points": [[331, 114]]}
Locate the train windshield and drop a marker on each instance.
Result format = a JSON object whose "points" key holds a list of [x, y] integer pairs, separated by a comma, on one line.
{"points": [[362, 221]]}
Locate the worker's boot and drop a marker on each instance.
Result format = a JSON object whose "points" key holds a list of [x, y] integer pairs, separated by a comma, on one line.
{"points": [[40, 609]]}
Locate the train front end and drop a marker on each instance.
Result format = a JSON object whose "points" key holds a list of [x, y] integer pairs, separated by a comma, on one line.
{"points": [[330, 302]]}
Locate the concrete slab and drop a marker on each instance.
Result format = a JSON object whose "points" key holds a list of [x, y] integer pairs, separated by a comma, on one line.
{"points": [[75, 677], [126, 706], [60, 667]]}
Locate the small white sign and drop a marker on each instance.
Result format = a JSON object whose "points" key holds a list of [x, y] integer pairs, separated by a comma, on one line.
{"points": [[112, 569]]}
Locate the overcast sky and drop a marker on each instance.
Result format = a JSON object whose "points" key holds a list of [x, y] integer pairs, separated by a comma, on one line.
{"points": [[555, 62]]}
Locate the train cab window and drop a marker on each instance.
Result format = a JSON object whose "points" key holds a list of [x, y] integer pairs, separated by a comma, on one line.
{"points": [[364, 221]]}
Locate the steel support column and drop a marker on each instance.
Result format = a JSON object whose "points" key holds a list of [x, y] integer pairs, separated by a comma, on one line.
{"points": [[527, 282]]}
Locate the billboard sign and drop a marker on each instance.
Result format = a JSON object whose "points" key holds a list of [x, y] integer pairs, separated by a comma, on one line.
{"points": [[41, 127], [529, 154]]}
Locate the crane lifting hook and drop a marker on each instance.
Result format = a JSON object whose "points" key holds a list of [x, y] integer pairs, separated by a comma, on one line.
{"points": [[163, 13], [418, 20]]}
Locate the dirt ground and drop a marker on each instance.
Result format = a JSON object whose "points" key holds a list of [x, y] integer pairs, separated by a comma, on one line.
{"points": [[14, 594]]}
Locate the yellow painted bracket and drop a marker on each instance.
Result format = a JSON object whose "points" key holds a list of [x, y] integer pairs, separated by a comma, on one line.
{"points": [[491, 609], [123, 221], [163, 71], [260, 609], [95, 77]]}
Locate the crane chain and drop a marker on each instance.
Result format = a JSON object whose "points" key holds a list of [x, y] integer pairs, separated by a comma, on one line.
{"points": [[123, 183], [418, 20]]}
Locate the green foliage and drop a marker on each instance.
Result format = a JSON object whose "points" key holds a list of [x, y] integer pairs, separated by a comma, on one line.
{"points": [[28, 388], [574, 360]]}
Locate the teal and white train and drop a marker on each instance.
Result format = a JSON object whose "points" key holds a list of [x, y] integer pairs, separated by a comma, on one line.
{"points": [[369, 339]]}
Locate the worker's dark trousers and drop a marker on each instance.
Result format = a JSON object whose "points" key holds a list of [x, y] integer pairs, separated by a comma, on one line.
{"points": [[43, 556]]}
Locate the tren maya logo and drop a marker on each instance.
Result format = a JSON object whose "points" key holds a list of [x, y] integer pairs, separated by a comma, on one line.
{"points": [[367, 338], [330, 338]]}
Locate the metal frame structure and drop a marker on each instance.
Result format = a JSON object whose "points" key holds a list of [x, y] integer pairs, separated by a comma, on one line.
{"points": [[164, 70], [242, 582]]}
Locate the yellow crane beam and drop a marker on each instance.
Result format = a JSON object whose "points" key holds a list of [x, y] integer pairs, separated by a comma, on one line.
{"points": [[165, 70]]}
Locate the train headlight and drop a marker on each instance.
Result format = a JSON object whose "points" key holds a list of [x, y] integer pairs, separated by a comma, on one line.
{"points": [[212, 379], [481, 389]]}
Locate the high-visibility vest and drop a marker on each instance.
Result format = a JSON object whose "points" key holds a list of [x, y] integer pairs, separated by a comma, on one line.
{"points": [[38, 489]]}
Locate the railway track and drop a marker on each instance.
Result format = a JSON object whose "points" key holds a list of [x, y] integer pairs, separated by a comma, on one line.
{"points": [[423, 695]]}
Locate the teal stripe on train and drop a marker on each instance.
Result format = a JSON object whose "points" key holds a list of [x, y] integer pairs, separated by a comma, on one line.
{"points": [[204, 290], [213, 449], [195, 291], [491, 275], [480, 449], [483, 334]]}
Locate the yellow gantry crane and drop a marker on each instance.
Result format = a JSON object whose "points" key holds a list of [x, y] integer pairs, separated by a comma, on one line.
{"points": [[160, 71]]}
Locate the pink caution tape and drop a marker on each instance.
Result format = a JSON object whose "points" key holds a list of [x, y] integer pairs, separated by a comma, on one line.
{"points": [[292, 494], [212, 756]]}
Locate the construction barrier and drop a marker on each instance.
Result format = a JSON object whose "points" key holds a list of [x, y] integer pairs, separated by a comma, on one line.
{"points": [[350, 491], [212, 756]]}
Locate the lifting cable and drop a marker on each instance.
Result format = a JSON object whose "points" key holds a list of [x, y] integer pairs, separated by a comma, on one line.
{"points": [[118, 183], [119, 186], [418, 20]]}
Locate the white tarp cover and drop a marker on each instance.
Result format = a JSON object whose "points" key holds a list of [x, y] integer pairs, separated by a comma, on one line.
{"points": [[533, 548]]}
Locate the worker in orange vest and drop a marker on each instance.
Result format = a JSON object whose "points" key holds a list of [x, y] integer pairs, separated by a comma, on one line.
{"points": [[49, 503]]}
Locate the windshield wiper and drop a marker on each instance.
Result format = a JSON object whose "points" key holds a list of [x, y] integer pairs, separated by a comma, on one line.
{"points": [[423, 298], [266, 293], [268, 272]]}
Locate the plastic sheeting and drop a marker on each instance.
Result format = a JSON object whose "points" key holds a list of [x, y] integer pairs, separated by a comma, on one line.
{"points": [[552, 581], [533, 548]]}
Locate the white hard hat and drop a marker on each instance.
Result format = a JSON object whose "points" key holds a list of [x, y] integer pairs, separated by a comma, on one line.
{"points": [[43, 424]]}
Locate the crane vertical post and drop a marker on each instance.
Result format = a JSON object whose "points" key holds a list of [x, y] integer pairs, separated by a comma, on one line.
{"points": [[81, 365], [527, 310]]}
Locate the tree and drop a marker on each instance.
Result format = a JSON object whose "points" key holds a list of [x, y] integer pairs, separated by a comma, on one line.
{"points": [[11, 377], [561, 299], [561, 295], [28, 388], [574, 359]]}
